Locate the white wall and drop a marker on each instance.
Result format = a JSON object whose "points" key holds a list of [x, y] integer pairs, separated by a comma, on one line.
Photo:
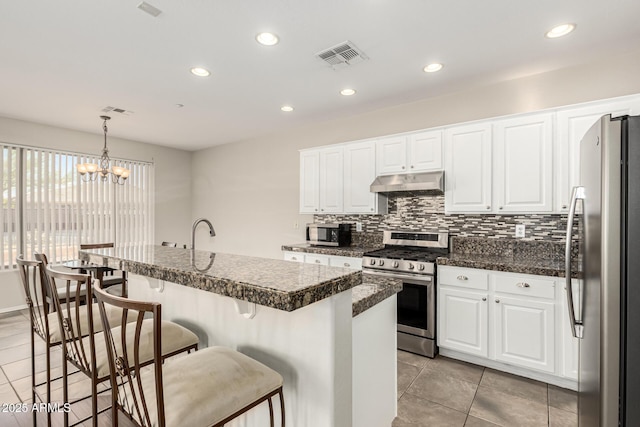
{"points": [[250, 189], [172, 180]]}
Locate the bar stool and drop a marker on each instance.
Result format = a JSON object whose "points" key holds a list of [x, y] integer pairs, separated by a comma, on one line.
{"points": [[85, 349], [62, 296], [207, 388]]}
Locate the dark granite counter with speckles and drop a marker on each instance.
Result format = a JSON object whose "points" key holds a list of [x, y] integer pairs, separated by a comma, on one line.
{"points": [[374, 290], [273, 283], [349, 251], [517, 256]]}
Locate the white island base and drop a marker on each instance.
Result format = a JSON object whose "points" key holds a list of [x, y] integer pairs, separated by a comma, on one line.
{"points": [[313, 348]]}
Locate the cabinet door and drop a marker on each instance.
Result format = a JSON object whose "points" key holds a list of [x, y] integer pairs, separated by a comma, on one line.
{"points": [[523, 167], [468, 168], [462, 321], [359, 173], [331, 180], [425, 151], [310, 181], [391, 155], [524, 333], [572, 125]]}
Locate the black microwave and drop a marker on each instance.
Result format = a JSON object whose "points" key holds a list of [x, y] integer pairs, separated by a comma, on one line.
{"points": [[329, 234]]}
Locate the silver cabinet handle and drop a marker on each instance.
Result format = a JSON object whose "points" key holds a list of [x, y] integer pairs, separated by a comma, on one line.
{"points": [[322, 210], [564, 206], [500, 208], [403, 167], [294, 258], [317, 261], [578, 193], [346, 264], [411, 166], [371, 209], [462, 277], [522, 285], [497, 300], [484, 298], [488, 207], [316, 210]]}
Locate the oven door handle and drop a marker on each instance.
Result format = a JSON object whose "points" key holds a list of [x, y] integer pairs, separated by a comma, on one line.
{"points": [[392, 275]]}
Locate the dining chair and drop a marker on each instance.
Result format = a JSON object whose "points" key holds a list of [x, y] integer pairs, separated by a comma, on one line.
{"points": [[108, 279], [83, 343], [170, 244], [207, 388]]}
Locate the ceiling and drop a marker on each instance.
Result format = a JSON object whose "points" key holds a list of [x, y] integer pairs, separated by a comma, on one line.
{"points": [[63, 61]]}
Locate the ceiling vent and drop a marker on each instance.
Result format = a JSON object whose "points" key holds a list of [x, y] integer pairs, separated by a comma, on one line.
{"points": [[150, 9], [117, 110], [342, 55]]}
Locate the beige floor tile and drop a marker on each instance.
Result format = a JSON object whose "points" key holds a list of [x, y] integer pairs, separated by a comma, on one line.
{"points": [[508, 410], [564, 399], [560, 418], [3, 378], [442, 388], [13, 354], [515, 385], [8, 419], [22, 368], [413, 411], [457, 369], [7, 394], [478, 422], [14, 340], [412, 359], [14, 329], [57, 418], [406, 375]]}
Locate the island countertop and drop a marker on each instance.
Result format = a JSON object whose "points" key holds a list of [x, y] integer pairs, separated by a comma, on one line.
{"points": [[278, 284]]}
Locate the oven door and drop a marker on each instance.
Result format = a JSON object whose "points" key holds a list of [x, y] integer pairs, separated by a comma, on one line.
{"points": [[417, 306]]}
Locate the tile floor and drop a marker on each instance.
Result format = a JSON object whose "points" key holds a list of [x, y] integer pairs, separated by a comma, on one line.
{"points": [[431, 392], [446, 392]]}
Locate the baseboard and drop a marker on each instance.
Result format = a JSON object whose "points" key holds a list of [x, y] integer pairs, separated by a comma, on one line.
{"points": [[516, 370], [10, 309]]}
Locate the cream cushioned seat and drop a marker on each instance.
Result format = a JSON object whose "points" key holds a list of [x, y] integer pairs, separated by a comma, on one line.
{"points": [[174, 338], [114, 313], [207, 386]]}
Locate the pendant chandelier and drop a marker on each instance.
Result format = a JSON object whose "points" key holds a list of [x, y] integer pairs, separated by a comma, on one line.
{"points": [[91, 171]]}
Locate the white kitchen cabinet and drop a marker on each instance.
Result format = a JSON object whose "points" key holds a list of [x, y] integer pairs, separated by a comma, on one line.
{"points": [[316, 259], [524, 331], [346, 262], [321, 259], [462, 321], [321, 180], [293, 256], [467, 174], [572, 124], [417, 152], [359, 173], [501, 319], [523, 167]]}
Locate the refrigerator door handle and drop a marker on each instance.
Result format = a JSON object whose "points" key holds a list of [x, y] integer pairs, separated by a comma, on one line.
{"points": [[576, 326]]}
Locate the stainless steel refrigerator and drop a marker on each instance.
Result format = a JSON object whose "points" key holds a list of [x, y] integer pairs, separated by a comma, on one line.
{"points": [[603, 247]]}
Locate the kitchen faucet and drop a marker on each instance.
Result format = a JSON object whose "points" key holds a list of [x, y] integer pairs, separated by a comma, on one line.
{"points": [[193, 230]]}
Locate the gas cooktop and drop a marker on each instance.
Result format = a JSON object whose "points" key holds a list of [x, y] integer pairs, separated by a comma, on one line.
{"points": [[408, 253]]}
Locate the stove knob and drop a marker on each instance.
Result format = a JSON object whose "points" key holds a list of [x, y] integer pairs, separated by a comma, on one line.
{"points": [[380, 262], [395, 264], [421, 267], [372, 262], [410, 266]]}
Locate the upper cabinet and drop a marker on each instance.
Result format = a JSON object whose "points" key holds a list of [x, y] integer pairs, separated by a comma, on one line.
{"points": [[321, 180], [359, 173], [418, 152], [523, 168], [467, 175]]}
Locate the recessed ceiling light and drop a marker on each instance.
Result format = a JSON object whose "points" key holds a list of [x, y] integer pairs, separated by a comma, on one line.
{"points": [[267, 39], [347, 92], [286, 108], [200, 72], [432, 68], [560, 30]]}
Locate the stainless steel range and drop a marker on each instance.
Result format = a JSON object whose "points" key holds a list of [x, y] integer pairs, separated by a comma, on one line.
{"points": [[411, 257]]}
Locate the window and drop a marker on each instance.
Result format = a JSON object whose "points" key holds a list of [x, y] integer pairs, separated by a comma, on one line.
{"points": [[48, 208]]}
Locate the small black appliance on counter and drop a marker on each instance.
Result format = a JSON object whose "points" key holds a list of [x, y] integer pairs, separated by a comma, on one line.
{"points": [[329, 234]]}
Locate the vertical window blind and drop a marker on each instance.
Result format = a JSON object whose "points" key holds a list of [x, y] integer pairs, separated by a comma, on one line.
{"points": [[60, 211]]}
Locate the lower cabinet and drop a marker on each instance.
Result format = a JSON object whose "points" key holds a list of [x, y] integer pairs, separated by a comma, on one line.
{"points": [[507, 319], [332, 260]]}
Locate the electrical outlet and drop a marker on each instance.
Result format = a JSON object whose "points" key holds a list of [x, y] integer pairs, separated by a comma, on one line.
{"points": [[296, 225], [358, 226], [520, 228]]}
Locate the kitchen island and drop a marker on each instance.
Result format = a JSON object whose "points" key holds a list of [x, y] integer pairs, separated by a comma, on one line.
{"points": [[295, 318]]}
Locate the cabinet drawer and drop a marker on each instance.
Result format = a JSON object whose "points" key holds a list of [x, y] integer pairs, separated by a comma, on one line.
{"points": [[525, 285], [463, 277], [316, 259], [294, 256], [346, 262]]}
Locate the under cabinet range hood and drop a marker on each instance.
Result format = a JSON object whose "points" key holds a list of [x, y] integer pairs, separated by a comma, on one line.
{"points": [[426, 183]]}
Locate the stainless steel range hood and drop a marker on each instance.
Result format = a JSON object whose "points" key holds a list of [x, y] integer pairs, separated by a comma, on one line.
{"points": [[426, 183]]}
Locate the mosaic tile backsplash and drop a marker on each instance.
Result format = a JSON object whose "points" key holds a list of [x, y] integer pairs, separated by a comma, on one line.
{"points": [[422, 213]]}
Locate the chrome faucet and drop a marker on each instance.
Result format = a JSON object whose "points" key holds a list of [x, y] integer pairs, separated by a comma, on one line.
{"points": [[212, 232]]}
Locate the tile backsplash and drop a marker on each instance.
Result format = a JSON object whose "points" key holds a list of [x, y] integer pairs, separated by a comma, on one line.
{"points": [[422, 213]]}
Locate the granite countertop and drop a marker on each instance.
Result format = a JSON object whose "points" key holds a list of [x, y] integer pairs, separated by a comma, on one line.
{"points": [[373, 290], [538, 266], [279, 284], [349, 251]]}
